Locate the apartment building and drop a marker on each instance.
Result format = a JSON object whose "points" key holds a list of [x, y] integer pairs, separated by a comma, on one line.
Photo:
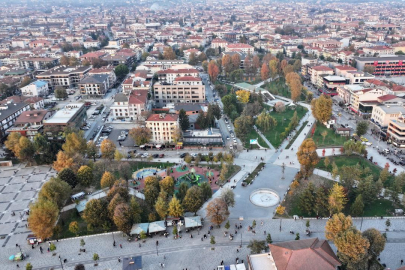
{"points": [[162, 127], [67, 77], [105, 70], [10, 109], [130, 107], [219, 43], [34, 63], [396, 132], [384, 66], [379, 50], [316, 72], [383, 114], [95, 85], [169, 75], [30, 123], [183, 90], [36, 88], [240, 47]]}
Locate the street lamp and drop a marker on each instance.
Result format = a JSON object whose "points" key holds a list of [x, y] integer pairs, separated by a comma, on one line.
{"points": [[60, 260], [113, 239], [240, 239]]}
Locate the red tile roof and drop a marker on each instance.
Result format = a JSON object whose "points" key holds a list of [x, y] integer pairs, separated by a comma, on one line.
{"points": [[322, 68], [238, 46], [307, 254], [175, 71], [387, 97], [376, 82], [138, 97], [162, 117]]}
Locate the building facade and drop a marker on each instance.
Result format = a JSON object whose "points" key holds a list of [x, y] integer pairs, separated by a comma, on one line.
{"points": [[163, 127]]}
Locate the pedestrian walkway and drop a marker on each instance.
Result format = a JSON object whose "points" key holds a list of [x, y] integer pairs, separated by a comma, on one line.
{"points": [[264, 138]]}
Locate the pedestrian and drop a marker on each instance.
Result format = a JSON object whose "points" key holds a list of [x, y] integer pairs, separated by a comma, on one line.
{"points": [[120, 246], [237, 250], [157, 242], [119, 259], [402, 261], [164, 257], [163, 265], [16, 245], [139, 245], [65, 260], [202, 239], [18, 266], [114, 244], [264, 232]]}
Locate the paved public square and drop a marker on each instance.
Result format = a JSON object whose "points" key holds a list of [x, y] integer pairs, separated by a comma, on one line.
{"points": [[19, 187]]}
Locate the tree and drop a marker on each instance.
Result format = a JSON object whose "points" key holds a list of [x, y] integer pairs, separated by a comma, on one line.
{"points": [[243, 124], [228, 196], [56, 191], [265, 72], [161, 207], [337, 225], [12, 142], [96, 257], [60, 92], [265, 121], [114, 202], [268, 239], [297, 65], [25, 149], [321, 202], [352, 248], [322, 108], [123, 218], [377, 245], [256, 246], [201, 121], [361, 128], [235, 61], [227, 64], [212, 240], [68, 176], [42, 218], [28, 266], [85, 175], [168, 53], [175, 209], [202, 57], [136, 210], [297, 236], [91, 150], [79, 267], [118, 155], [384, 174], [213, 71], [140, 135], [95, 213], [357, 207], [167, 184], [369, 69], [273, 66], [64, 61], [243, 96], [256, 63], [82, 243], [25, 81], [184, 120], [217, 211], [307, 156], [368, 189], [107, 149], [121, 71], [74, 227], [307, 199], [192, 59], [107, 180], [280, 210], [144, 56], [279, 106], [74, 143], [193, 199], [181, 193], [73, 61], [206, 191], [337, 199]]}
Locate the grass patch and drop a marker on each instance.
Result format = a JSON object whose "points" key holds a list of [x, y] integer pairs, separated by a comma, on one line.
{"points": [[332, 139], [253, 135], [379, 208], [296, 134], [251, 176], [282, 118]]}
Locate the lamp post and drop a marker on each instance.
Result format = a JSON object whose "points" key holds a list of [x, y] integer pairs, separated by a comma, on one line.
{"points": [[241, 239], [60, 260], [113, 239]]}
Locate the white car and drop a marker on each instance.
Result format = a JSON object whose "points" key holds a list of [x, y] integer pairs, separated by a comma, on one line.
{"points": [[230, 147], [228, 126], [233, 136], [145, 155], [193, 154], [234, 140]]}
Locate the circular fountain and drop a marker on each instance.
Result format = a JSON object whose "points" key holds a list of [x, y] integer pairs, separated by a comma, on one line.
{"points": [[264, 197]]}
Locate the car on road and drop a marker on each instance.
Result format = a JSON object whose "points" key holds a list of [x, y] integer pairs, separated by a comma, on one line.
{"points": [[232, 135], [363, 139], [367, 143], [194, 155], [145, 155], [228, 126], [234, 140], [155, 155], [182, 155], [231, 147], [227, 137], [121, 138], [162, 155]]}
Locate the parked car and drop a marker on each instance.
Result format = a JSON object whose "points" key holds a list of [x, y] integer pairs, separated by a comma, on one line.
{"points": [[182, 155], [155, 155], [162, 155]]}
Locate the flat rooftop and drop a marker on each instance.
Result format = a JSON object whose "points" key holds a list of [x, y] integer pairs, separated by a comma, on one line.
{"points": [[64, 115], [262, 261], [378, 59]]}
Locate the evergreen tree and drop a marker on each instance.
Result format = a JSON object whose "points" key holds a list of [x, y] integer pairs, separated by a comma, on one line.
{"points": [[357, 207], [183, 120], [307, 199]]}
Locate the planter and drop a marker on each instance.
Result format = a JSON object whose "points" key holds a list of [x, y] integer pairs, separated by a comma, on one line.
{"points": [[96, 264], [212, 248]]}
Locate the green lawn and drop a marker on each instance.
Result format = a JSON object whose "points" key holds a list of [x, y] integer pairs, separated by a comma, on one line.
{"points": [[283, 120], [332, 139], [253, 135], [379, 208], [350, 161], [278, 87]]}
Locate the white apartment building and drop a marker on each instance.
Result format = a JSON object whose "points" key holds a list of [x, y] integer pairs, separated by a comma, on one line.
{"points": [[34, 89], [162, 127], [183, 90]]}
